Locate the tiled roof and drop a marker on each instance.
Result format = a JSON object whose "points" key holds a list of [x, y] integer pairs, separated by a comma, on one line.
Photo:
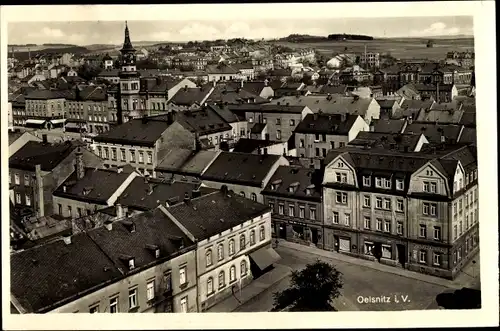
{"points": [[388, 125], [297, 182], [224, 112], [139, 132], [250, 169], [417, 104], [62, 272], [246, 145], [386, 140], [254, 87], [186, 162], [46, 154], [441, 113], [97, 185], [146, 194], [229, 95], [469, 135], [333, 89], [268, 108], [333, 124], [152, 229], [216, 69], [191, 95], [158, 84], [434, 131], [330, 105], [46, 95], [202, 121], [214, 213], [258, 127], [386, 103]]}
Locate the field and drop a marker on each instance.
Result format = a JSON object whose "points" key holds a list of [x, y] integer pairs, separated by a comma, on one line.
{"points": [[399, 48]]}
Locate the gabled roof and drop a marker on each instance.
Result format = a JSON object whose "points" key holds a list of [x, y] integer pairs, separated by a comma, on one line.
{"points": [[185, 161], [386, 140], [188, 96], [202, 121], [140, 132], [215, 213], [242, 168], [220, 69], [229, 95], [333, 89], [332, 124], [258, 128], [333, 104], [386, 103], [97, 185], [268, 108], [224, 112], [46, 95], [434, 131], [46, 154], [388, 125], [247, 145], [295, 181]]}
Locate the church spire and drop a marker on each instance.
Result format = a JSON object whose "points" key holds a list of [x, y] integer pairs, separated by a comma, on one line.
{"points": [[127, 44]]}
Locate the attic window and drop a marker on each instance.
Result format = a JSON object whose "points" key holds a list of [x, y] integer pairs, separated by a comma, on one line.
{"points": [[131, 263]]}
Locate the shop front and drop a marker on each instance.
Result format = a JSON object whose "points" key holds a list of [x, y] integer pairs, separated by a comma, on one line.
{"points": [[340, 241], [298, 232], [390, 251]]}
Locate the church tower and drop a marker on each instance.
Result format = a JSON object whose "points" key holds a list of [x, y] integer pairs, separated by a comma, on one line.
{"points": [[129, 80]]}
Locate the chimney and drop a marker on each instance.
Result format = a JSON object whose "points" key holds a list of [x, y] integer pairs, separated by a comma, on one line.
{"points": [[343, 117], [80, 166], [437, 92], [196, 193], [372, 128], [242, 83], [443, 138], [109, 225], [67, 239], [146, 179], [119, 211], [44, 138], [186, 197], [410, 119], [38, 191], [119, 169], [170, 117], [265, 151]]}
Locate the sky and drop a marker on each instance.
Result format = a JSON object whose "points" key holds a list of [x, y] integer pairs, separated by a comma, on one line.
{"points": [[111, 32]]}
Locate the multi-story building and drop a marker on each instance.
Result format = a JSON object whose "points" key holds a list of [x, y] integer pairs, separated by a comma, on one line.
{"points": [[45, 108], [464, 59], [403, 209], [294, 195], [318, 133], [140, 264], [280, 119], [87, 110], [232, 233], [245, 174], [370, 59], [17, 139], [38, 168]]}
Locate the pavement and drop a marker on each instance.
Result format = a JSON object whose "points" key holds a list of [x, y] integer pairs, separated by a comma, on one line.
{"points": [[250, 292]]}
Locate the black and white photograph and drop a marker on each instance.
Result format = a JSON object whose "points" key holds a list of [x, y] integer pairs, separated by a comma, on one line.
{"points": [[234, 164]]}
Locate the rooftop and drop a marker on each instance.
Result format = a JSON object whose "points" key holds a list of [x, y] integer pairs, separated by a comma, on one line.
{"points": [[186, 161], [335, 124], [332, 104], [246, 145], [295, 181], [140, 132]]}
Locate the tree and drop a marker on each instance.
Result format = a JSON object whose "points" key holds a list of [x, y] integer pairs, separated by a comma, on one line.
{"points": [[312, 289], [89, 72]]}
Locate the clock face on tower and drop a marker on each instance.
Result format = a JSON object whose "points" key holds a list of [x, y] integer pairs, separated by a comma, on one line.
{"points": [[128, 58]]}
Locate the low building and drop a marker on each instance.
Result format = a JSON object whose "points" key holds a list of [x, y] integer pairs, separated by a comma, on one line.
{"points": [[294, 196], [185, 165], [222, 72], [412, 210], [318, 133], [190, 97], [388, 108], [392, 141], [140, 264], [233, 242], [439, 92], [260, 146], [245, 174]]}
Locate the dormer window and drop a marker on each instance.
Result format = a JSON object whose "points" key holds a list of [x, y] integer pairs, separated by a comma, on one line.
{"points": [[131, 264], [367, 181], [399, 184], [387, 183], [378, 182], [157, 253]]}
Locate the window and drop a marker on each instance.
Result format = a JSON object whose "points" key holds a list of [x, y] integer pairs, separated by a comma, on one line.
{"points": [[291, 211], [106, 153], [26, 180], [70, 211], [94, 309], [423, 231], [341, 197], [232, 274], [253, 196], [422, 257], [399, 205], [387, 204], [399, 184], [461, 227], [150, 158], [278, 121], [243, 242], [378, 203], [150, 290], [387, 183], [292, 122], [184, 305], [59, 207], [426, 187], [222, 279], [281, 209], [475, 174], [182, 276], [312, 214], [301, 211], [366, 201], [379, 224], [17, 180], [335, 217], [437, 233], [301, 144], [113, 305], [132, 156], [262, 233], [387, 226], [425, 207], [220, 252], [208, 256], [366, 181], [99, 151], [113, 154], [433, 187], [317, 151], [399, 228], [141, 157], [455, 231], [437, 259], [347, 219], [367, 222], [243, 268], [210, 285], [28, 200], [132, 298], [459, 254], [278, 134], [433, 208], [378, 182], [231, 247], [386, 251], [123, 155]]}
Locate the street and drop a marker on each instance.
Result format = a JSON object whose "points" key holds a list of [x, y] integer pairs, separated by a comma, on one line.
{"points": [[361, 286]]}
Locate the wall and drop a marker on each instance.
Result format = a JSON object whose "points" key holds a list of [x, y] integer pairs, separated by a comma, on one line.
{"points": [[285, 127], [140, 281], [21, 141]]}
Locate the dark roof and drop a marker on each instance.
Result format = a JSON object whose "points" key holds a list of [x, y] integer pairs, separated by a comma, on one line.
{"points": [[280, 72], [224, 112], [219, 69], [140, 132], [229, 95], [305, 182], [386, 140], [250, 169], [152, 229], [388, 125], [13, 136], [386, 103], [202, 121], [185, 161], [47, 94], [258, 127], [417, 104], [434, 131], [188, 96], [246, 145], [333, 89], [146, 194], [326, 123], [469, 135], [46, 154], [431, 87], [214, 213], [61, 271], [267, 108], [90, 93], [97, 185], [254, 87]]}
